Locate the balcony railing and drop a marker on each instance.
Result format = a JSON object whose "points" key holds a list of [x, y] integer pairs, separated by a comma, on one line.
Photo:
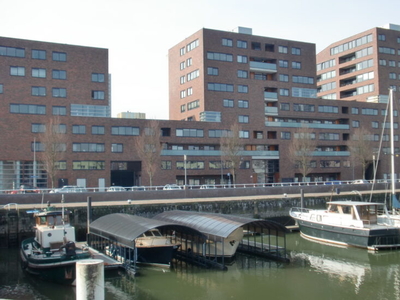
{"points": [[271, 111], [256, 153], [309, 125], [262, 67], [270, 96]]}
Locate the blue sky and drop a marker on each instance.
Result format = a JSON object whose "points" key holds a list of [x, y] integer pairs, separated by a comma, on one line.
{"points": [[138, 34]]}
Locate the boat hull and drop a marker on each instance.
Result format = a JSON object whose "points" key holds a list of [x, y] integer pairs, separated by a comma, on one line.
{"points": [[156, 255], [373, 239], [55, 268]]}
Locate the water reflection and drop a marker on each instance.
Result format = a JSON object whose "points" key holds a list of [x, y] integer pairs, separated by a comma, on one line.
{"points": [[315, 272]]}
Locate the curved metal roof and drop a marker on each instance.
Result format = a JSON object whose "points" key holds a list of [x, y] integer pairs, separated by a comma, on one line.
{"points": [[217, 224], [125, 228]]}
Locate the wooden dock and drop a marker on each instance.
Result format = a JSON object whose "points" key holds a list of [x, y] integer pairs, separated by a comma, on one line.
{"points": [[109, 262]]}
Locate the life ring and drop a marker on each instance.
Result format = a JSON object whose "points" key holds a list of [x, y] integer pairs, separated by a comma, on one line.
{"points": [[319, 218]]}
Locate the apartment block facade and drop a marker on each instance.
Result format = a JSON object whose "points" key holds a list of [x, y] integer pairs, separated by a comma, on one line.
{"points": [[267, 86]]}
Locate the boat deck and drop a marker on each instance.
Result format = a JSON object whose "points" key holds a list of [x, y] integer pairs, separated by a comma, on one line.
{"points": [[109, 262]]}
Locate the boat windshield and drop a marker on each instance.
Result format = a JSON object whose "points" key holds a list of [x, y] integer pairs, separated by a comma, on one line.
{"points": [[151, 233]]}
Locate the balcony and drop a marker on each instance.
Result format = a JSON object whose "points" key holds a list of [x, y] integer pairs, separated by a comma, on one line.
{"points": [[309, 125], [331, 153], [257, 154], [262, 67], [270, 96], [271, 111]]}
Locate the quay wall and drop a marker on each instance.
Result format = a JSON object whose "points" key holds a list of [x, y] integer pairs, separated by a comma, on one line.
{"points": [[16, 221]]}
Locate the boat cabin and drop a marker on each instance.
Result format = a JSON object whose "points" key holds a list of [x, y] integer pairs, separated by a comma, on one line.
{"points": [[367, 212]]}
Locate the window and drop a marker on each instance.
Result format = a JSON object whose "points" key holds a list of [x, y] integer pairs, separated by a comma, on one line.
{"points": [[60, 128], [11, 51], [217, 133], [284, 106], [283, 63], [356, 124], [381, 37], [219, 56], [98, 95], [392, 75], [189, 62], [78, 129], [39, 73], [38, 128], [38, 147], [296, 65], [182, 51], [285, 135], [98, 129], [190, 132], [182, 65], [228, 103], [375, 124], [227, 42], [329, 164], [38, 91], [220, 87], [28, 109], [354, 111], [296, 51], [212, 71], [38, 54], [369, 111], [59, 110], [117, 148], [303, 79], [284, 92], [284, 77], [166, 165], [282, 49], [328, 109], [244, 134], [242, 89], [183, 94], [59, 56], [98, 77], [1, 89], [242, 74], [241, 44], [190, 91], [124, 130], [392, 63], [193, 75], [193, 104], [183, 108], [255, 46], [182, 79], [243, 119], [88, 165], [303, 107], [243, 104], [59, 74], [87, 147], [242, 59], [59, 92], [17, 71], [192, 45], [329, 136]]}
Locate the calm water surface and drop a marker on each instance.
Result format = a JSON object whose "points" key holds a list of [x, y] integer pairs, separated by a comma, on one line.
{"points": [[315, 272]]}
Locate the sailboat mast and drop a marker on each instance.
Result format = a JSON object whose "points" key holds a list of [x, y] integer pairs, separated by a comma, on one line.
{"points": [[392, 139]]}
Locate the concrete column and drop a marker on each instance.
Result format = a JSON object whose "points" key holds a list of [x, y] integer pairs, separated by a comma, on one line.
{"points": [[90, 279]]}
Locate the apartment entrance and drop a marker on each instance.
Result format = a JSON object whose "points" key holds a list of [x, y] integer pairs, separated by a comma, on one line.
{"points": [[125, 173]]}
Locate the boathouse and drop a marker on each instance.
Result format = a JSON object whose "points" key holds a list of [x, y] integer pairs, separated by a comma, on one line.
{"points": [[227, 234]]}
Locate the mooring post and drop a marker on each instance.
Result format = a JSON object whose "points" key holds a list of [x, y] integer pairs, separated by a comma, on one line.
{"points": [[90, 279]]}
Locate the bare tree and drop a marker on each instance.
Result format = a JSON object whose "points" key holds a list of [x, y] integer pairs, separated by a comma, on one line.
{"points": [[231, 147], [53, 141], [360, 146], [148, 148], [301, 150]]}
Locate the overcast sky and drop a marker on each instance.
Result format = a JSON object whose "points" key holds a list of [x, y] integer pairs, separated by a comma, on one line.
{"points": [[138, 34]]}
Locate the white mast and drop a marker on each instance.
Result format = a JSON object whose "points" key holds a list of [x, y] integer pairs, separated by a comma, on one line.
{"points": [[395, 202]]}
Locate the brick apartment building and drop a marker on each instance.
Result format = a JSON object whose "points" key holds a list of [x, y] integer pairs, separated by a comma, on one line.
{"points": [[266, 85]]}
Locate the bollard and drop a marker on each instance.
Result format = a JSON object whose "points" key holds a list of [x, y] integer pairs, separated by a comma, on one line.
{"points": [[90, 279]]}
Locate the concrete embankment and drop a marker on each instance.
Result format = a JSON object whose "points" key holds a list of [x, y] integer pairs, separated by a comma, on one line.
{"points": [[16, 223]]}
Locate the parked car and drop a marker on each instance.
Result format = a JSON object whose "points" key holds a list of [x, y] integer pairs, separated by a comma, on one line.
{"points": [[360, 181], [137, 188], [172, 187], [70, 189], [116, 189], [207, 186], [26, 189]]}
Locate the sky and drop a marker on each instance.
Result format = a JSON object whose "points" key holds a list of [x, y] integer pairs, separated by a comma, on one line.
{"points": [[138, 34]]}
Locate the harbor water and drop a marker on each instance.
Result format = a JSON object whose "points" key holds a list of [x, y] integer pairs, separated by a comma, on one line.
{"points": [[315, 272]]}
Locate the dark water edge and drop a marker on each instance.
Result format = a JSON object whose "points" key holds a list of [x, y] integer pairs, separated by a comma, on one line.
{"points": [[315, 272]]}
